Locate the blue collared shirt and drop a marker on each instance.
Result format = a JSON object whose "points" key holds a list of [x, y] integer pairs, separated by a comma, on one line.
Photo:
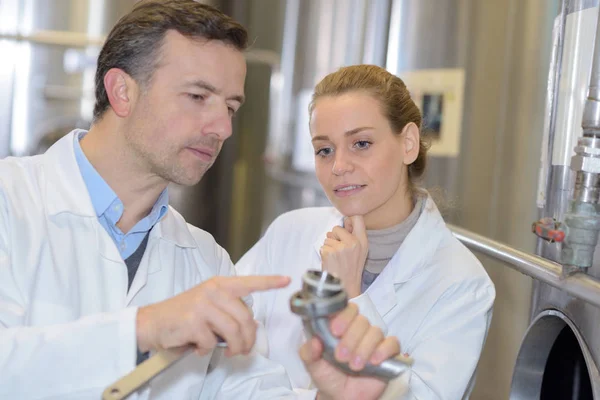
{"points": [[109, 208]]}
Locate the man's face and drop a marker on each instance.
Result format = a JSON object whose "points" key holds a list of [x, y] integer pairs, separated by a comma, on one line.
{"points": [[181, 119]]}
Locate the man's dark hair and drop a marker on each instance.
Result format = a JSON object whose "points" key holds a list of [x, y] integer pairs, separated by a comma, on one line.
{"points": [[135, 42]]}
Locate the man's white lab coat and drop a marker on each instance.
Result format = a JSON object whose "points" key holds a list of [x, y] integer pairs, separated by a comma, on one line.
{"points": [[67, 321]]}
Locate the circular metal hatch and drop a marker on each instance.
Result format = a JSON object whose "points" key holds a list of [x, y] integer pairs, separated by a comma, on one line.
{"points": [[553, 362]]}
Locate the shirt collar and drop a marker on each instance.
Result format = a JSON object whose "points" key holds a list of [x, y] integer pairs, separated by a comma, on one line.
{"points": [[159, 209], [103, 196]]}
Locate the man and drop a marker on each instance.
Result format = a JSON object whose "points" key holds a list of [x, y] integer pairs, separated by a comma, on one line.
{"points": [[96, 270]]}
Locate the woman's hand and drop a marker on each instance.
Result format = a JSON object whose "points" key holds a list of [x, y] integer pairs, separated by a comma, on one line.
{"points": [[344, 253], [360, 343]]}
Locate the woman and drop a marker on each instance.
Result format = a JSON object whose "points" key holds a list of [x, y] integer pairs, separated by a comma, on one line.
{"points": [[385, 239]]}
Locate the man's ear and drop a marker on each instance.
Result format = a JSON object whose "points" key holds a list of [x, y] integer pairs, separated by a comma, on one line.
{"points": [[412, 139], [120, 89]]}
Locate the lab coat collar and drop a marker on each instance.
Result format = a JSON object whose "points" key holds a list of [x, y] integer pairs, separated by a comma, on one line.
{"points": [[65, 189], [66, 192], [173, 228], [414, 255]]}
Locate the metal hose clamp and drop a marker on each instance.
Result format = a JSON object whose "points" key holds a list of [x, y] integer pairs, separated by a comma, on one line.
{"points": [[322, 296]]}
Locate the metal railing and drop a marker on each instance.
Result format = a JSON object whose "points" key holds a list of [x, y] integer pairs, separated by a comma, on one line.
{"points": [[578, 285]]}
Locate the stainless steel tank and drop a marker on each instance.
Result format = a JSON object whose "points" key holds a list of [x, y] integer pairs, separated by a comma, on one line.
{"points": [[319, 36], [560, 353], [49, 50]]}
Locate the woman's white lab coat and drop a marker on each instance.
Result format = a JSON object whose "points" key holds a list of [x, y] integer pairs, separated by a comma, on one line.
{"points": [[67, 321], [434, 295]]}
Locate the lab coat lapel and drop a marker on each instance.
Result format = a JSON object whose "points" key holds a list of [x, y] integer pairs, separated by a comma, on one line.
{"points": [[168, 235], [410, 260], [381, 291]]}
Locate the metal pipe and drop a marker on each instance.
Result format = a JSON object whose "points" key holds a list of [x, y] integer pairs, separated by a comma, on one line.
{"points": [[76, 39], [591, 112], [579, 285], [322, 296], [56, 38], [387, 370], [547, 172]]}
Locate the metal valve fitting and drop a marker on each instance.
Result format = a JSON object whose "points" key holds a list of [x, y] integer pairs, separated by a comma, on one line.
{"points": [[322, 296]]}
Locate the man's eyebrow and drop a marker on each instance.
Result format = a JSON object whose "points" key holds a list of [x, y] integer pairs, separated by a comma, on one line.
{"points": [[211, 88]]}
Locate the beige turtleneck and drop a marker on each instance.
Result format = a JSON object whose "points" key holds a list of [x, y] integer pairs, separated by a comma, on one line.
{"points": [[384, 243]]}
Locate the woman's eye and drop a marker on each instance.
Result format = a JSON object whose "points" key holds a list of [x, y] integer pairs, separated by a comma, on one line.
{"points": [[362, 144], [323, 152]]}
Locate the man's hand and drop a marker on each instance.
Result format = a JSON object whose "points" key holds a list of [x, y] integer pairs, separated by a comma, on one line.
{"points": [[360, 343], [197, 316]]}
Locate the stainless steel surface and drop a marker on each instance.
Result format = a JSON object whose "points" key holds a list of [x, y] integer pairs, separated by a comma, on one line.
{"points": [[322, 296], [582, 218], [446, 25], [386, 370], [557, 199], [533, 356], [579, 286], [444, 19], [587, 187], [40, 40], [578, 27], [56, 38], [583, 315], [587, 155], [376, 32], [278, 142], [582, 225], [321, 284], [550, 115], [319, 36], [311, 306], [588, 144], [555, 308], [591, 113]]}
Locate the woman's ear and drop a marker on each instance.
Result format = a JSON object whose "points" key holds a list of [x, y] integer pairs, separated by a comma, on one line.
{"points": [[412, 139]]}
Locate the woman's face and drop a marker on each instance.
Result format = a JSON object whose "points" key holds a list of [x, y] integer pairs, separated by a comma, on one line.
{"points": [[360, 162]]}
